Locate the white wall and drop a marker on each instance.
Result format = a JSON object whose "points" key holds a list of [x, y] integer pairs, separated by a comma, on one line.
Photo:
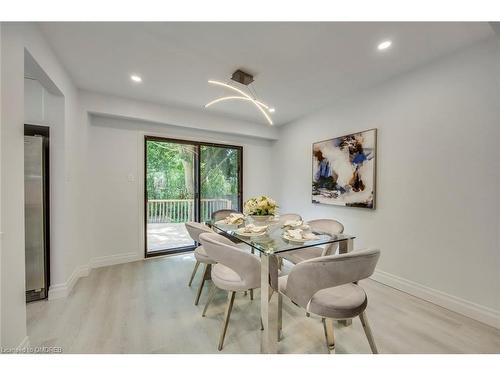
{"points": [[437, 213], [201, 119], [116, 154], [17, 39]]}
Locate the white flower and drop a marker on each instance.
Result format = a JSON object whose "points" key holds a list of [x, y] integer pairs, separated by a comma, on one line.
{"points": [[261, 205]]}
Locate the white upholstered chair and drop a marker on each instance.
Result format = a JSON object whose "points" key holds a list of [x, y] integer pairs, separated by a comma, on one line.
{"points": [[327, 287], [235, 271], [195, 229], [329, 226], [222, 214]]}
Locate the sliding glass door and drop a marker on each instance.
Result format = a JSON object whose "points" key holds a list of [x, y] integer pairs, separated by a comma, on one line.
{"points": [[186, 181], [219, 179]]}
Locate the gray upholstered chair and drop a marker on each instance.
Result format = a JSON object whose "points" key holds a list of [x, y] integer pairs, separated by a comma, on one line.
{"points": [[329, 226], [327, 287], [195, 229], [235, 271], [222, 214]]}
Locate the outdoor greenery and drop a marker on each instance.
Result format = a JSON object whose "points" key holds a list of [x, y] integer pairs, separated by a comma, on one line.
{"points": [[171, 171]]}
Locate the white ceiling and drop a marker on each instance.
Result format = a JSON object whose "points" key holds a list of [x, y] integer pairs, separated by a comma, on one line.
{"points": [[298, 67]]}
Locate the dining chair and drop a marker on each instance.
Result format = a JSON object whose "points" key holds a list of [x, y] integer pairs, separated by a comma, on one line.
{"points": [[328, 226], [195, 229], [327, 287], [222, 214], [235, 271]]}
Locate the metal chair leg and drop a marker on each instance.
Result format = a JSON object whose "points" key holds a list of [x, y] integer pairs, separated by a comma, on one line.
{"points": [[251, 294], [206, 276], [280, 315], [194, 273], [329, 335], [229, 307], [368, 332], [211, 295]]}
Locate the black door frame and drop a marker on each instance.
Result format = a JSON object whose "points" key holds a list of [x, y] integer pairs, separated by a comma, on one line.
{"points": [[197, 187]]}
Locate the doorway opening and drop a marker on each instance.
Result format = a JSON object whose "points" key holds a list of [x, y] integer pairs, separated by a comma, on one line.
{"points": [[186, 181]]}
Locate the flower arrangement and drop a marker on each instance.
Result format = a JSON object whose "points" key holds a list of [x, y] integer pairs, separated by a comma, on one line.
{"points": [[260, 206]]}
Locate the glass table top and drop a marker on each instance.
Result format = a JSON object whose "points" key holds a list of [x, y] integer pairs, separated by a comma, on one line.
{"points": [[272, 241]]}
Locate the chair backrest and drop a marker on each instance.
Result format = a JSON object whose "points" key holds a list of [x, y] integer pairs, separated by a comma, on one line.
{"points": [[310, 276], [222, 214], [195, 229], [328, 226], [285, 217], [221, 250]]}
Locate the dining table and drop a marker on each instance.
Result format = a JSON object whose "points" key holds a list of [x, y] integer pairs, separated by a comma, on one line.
{"points": [[270, 245]]}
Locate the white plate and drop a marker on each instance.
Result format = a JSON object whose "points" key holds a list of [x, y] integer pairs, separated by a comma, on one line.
{"points": [[248, 234]]}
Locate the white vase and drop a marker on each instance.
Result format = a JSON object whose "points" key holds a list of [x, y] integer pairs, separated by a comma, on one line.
{"points": [[261, 219]]}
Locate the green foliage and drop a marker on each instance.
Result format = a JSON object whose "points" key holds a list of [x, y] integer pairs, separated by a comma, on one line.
{"points": [[170, 171]]}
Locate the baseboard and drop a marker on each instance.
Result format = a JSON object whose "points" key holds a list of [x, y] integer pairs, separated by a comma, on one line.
{"points": [[111, 260], [470, 309], [24, 344], [62, 290]]}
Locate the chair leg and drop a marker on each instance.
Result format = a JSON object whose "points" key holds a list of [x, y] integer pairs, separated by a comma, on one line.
{"points": [[280, 315], [368, 332], [211, 296], [229, 307], [194, 273], [329, 335], [251, 294], [206, 276]]}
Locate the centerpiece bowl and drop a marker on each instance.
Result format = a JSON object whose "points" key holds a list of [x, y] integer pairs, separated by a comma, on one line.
{"points": [[261, 219]]}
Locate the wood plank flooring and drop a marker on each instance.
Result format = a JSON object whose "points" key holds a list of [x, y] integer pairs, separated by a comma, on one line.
{"points": [[147, 307]]}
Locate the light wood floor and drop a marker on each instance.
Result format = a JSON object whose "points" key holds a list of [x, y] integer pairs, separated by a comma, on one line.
{"points": [[147, 307]]}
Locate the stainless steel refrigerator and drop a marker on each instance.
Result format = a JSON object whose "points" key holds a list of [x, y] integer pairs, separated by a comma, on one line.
{"points": [[36, 214]]}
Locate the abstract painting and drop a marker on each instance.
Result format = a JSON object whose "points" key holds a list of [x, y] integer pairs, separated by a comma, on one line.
{"points": [[344, 170]]}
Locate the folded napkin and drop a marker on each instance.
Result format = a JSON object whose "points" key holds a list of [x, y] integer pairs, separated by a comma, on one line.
{"points": [[234, 218], [296, 224], [299, 234], [292, 223], [251, 228]]}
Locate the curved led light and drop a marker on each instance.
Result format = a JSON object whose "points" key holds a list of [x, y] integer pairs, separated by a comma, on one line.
{"points": [[258, 104], [224, 98]]}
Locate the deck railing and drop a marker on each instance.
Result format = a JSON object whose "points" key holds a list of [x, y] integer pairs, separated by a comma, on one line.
{"points": [[182, 210]]}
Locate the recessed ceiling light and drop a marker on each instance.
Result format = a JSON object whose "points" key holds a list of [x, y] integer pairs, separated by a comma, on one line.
{"points": [[384, 45], [272, 110], [135, 78]]}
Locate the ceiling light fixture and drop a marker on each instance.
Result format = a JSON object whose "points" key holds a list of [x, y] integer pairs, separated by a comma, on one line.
{"points": [[384, 45], [136, 78], [245, 79]]}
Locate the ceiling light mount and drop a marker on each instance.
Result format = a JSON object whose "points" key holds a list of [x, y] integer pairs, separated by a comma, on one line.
{"points": [[242, 77]]}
